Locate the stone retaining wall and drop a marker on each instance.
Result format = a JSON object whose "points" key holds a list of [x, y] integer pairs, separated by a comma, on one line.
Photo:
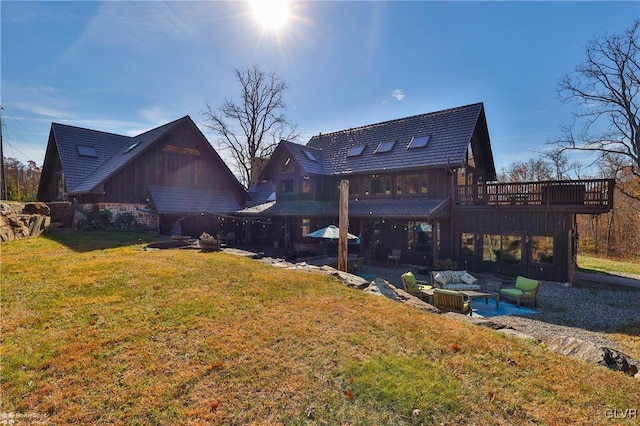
{"points": [[23, 220], [144, 219]]}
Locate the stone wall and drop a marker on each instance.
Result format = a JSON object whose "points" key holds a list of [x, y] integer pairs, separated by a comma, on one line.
{"points": [[143, 218], [23, 220]]}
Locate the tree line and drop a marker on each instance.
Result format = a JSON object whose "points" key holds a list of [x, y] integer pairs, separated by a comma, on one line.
{"points": [[21, 180]]}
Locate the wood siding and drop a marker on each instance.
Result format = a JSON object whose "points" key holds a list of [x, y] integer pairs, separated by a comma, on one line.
{"points": [[182, 159]]}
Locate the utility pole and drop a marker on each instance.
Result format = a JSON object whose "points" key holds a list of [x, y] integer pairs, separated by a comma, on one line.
{"points": [[3, 180], [343, 226]]}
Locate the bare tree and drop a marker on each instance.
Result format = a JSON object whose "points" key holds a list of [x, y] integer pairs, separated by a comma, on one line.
{"points": [[250, 129], [606, 89]]}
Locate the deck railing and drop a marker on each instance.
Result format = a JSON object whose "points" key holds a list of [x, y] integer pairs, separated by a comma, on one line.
{"points": [[596, 193]]}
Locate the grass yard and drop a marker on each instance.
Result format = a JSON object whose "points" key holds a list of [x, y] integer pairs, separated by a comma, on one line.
{"points": [[97, 330], [599, 265]]}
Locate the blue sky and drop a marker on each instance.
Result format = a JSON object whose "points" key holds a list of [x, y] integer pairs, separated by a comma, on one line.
{"points": [[127, 67]]}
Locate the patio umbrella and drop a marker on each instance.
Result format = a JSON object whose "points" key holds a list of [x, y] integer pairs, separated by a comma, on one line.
{"points": [[331, 232]]}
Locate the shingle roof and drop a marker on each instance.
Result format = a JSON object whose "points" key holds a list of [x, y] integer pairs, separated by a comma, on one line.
{"points": [[119, 157], [77, 167], [169, 199], [450, 130], [261, 192], [311, 162], [392, 208]]}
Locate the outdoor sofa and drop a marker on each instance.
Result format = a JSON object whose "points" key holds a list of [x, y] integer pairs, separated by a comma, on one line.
{"points": [[454, 280]]}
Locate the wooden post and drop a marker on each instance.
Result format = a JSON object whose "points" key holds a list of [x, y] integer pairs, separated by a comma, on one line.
{"points": [[343, 225]]}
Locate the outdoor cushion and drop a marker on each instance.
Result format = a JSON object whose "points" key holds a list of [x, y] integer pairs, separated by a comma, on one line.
{"points": [[468, 278], [513, 292], [455, 280], [526, 284]]}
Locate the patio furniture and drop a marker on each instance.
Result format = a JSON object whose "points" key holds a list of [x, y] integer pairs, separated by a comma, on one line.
{"points": [[473, 294], [395, 255], [524, 289], [454, 280], [413, 286], [451, 301]]}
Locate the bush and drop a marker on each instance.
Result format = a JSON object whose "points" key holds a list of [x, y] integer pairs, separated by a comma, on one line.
{"points": [[125, 221]]}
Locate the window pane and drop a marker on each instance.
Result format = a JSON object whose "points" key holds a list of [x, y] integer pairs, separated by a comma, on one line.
{"points": [[491, 248], [399, 184], [287, 185], [411, 184], [511, 248], [423, 232], [376, 186], [467, 244], [306, 226], [542, 249], [423, 184], [306, 186]]}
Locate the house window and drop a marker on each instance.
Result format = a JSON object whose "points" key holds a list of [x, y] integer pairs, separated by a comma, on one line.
{"points": [[399, 185], [542, 249], [288, 165], [418, 142], [423, 185], [380, 185], [61, 192], [422, 236], [511, 248], [86, 151], [286, 186], [384, 147], [354, 188], [411, 184], [306, 185], [306, 226], [419, 236], [355, 151], [467, 244]]}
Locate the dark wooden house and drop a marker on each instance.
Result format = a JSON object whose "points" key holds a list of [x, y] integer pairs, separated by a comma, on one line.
{"points": [[171, 171], [427, 185]]}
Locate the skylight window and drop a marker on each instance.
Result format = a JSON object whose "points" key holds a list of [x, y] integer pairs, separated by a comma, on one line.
{"points": [[131, 147], [355, 151], [385, 147], [87, 151], [419, 142], [309, 155]]}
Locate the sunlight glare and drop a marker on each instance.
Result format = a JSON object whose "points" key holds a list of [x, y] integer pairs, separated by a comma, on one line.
{"points": [[271, 14]]}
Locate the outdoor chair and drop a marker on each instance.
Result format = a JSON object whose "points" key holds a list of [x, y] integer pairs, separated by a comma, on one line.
{"points": [[451, 301], [524, 289], [414, 286], [395, 255]]}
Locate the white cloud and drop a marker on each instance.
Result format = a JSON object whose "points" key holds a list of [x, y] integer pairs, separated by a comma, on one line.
{"points": [[398, 94]]}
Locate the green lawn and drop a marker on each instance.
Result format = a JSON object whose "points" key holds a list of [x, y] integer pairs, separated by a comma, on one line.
{"points": [[96, 330], [606, 266]]}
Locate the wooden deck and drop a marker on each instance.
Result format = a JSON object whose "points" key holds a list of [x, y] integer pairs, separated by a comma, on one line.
{"points": [[579, 196]]}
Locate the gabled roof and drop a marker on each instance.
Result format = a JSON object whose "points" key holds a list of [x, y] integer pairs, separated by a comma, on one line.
{"points": [[122, 155], [309, 159], [77, 167], [450, 132], [169, 199]]}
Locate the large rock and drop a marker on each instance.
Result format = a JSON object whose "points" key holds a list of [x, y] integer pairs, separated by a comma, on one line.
{"points": [[593, 353], [36, 208]]}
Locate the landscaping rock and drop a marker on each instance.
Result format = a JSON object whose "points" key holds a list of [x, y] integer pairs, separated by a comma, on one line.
{"points": [[592, 353]]}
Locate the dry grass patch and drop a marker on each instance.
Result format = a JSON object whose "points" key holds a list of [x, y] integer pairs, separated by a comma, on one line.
{"points": [[125, 336]]}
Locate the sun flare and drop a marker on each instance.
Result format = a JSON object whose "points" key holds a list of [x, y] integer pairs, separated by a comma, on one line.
{"points": [[271, 14]]}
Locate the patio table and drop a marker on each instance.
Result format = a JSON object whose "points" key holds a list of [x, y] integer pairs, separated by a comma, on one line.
{"points": [[474, 294]]}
